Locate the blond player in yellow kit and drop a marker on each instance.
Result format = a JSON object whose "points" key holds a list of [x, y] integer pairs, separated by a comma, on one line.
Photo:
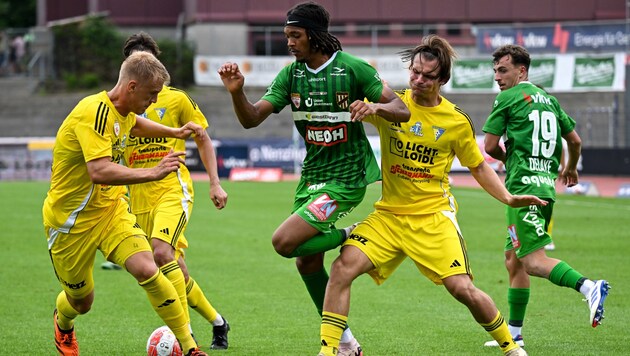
{"points": [[86, 208], [416, 216], [163, 207]]}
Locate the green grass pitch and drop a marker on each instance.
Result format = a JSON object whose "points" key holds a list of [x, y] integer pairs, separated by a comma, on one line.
{"points": [[262, 296]]}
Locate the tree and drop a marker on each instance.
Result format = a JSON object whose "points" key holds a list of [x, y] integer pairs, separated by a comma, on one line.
{"points": [[18, 13]]}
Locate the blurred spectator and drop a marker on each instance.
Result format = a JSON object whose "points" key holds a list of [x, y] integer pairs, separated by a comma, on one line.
{"points": [[4, 52], [18, 50]]}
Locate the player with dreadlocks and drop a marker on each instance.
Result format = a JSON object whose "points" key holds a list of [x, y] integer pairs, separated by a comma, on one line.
{"points": [[325, 88]]}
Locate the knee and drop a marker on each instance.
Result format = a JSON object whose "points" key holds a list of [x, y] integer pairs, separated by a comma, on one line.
{"points": [[342, 272], [282, 244], [163, 254]]}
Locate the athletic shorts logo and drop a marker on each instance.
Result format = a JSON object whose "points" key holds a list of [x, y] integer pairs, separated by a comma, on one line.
{"points": [[513, 236], [323, 207]]}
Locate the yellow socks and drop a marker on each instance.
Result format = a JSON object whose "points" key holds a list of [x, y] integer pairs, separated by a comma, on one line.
{"points": [[331, 330], [198, 301], [499, 331], [165, 302], [65, 312], [174, 274]]}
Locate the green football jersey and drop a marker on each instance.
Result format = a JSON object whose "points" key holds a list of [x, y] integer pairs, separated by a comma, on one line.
{"points": [[533, 123], [337, 150]]}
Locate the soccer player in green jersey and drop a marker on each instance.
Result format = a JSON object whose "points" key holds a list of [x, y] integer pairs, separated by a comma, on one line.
{"points": [[534, 124], [325, 88], [86, 208], [163, 207], [416, 215]]}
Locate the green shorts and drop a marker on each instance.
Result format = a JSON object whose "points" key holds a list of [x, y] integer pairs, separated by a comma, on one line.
{"points": [[527, 228], [321, 205]]}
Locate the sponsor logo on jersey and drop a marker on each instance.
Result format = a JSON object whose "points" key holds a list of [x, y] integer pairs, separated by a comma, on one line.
{"points": [[343, 98], [411, 172], [326, 136], [308, 102], [412, 151], [317, 93], [416, 129], [513, 236], [295, 99], [362, 240], [336, 71], [317, 79], [437, 132], [323, 207], [298, 73]]}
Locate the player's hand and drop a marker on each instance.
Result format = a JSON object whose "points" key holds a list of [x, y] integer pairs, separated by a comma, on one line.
{"points": [[190, 128], [231, 76], [218, 196], [569, 177], [360, 109], [518, 201], [169, 163]]}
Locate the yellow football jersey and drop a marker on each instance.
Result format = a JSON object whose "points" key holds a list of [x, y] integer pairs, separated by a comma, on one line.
{"points": [[416, 156], [94, 129], [174, 108]]}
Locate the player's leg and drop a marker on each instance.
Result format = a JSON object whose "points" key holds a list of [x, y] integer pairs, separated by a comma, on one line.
{"points": [[532, 238], [197, 301], [372, 240], [72, 257], [165, 225], [439, 251], [482, 308], [550, 246], [127, 246], [310, 230]]}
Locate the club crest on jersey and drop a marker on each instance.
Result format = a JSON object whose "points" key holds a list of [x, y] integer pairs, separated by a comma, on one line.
{"points": [[323, 207], [295, 99], [160, 112], [116, 128], [416, 129], [438, 131], [343, 98]]}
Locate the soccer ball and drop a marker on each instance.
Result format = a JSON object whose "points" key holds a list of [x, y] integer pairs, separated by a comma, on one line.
{"points": [[163, 342]]}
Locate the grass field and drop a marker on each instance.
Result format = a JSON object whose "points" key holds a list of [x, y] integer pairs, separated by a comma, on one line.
{"points": [[262, 296]]}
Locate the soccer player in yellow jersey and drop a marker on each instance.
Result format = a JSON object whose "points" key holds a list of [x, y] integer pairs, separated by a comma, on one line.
{"points": [[416, 216], [86, 207], [163, 207]]}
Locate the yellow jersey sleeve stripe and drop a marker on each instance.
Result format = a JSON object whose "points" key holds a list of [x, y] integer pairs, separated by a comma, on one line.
{"points": [[472, 126], [100, 121]]}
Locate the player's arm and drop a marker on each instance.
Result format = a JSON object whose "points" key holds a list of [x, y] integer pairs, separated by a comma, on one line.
{"points": [[492, 147], [206, 152], [569, 174], [147, 128], [103, 171], [389, 107], [491, 183], [248, 114]]}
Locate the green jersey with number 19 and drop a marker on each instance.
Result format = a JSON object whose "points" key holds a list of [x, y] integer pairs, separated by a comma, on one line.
{"points": [[534, 124], [337, 150]]}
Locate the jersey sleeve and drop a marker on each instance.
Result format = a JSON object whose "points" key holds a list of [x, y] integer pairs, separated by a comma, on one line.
{"points": [[466, 148], [496, 123], [278, 91], [93, 131], [567, 124], [190, 111], [369, 80]]}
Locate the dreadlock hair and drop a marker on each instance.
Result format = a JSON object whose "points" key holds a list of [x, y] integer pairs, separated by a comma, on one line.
{"points": [[432, 47], [141, 41], [518, 55], [320, 40]]}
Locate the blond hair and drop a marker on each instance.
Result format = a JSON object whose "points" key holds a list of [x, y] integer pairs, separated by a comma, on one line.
{"points": [[144, 67]]}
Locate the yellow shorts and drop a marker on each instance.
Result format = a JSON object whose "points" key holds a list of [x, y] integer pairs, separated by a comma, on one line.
{"points": [[432, 241], [116, 235], [167, 221]]}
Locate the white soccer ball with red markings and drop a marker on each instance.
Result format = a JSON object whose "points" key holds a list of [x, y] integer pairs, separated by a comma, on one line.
{"points": [[163, 342]]}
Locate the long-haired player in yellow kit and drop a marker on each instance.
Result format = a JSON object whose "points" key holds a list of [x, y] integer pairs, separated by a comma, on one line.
{"points": [[163, 208], [86, 208], [415, 217]]}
